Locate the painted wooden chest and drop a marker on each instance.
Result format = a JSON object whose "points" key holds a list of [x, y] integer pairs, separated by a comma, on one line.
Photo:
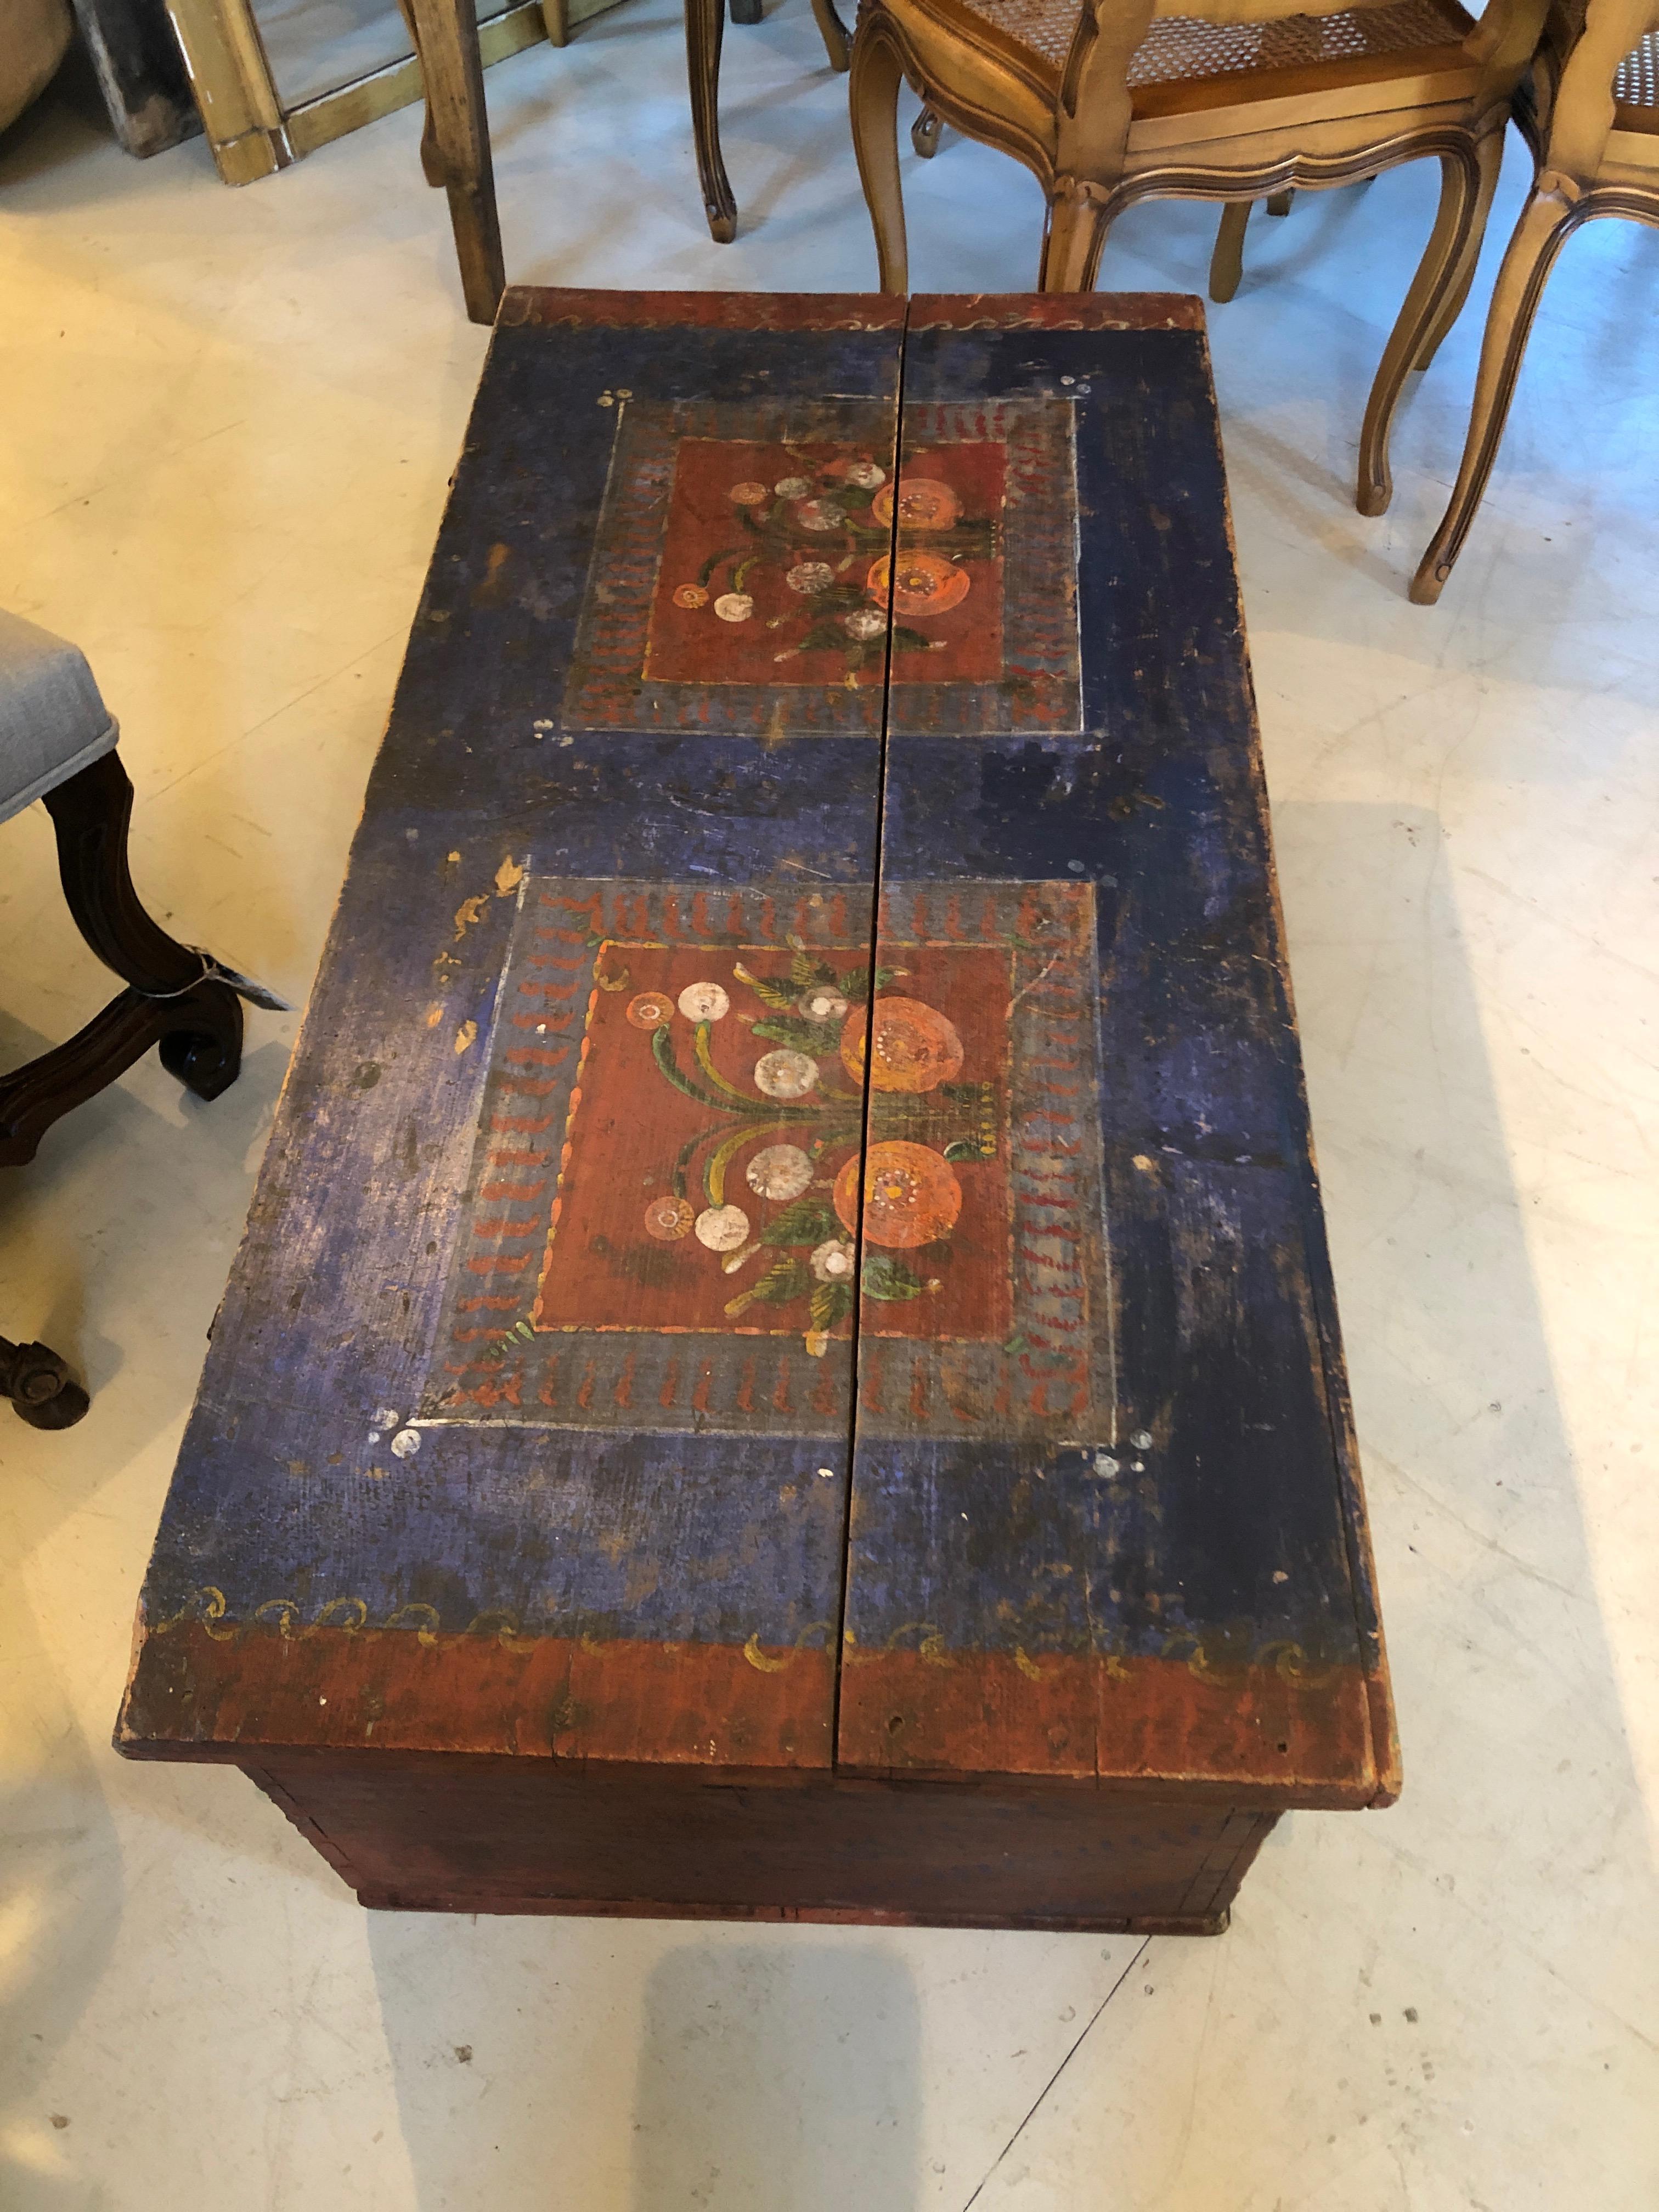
{"points": [[784, 1361]]}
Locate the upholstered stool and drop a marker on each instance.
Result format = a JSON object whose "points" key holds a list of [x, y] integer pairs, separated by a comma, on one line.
{"points": [[57, 743]]}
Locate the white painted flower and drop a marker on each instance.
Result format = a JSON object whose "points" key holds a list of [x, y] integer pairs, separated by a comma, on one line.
{"points": [[822, 1004], [781, 1172], [862, 622], [833, 1262], [734, 606], [810, 576], [792, 487], [721, 1228], [704, 1002], [866, 475], [406, 1442], [820, 514], [785, 1074]]}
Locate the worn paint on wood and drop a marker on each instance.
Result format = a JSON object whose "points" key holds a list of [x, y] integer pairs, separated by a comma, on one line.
{"points": [[791, 1240]]}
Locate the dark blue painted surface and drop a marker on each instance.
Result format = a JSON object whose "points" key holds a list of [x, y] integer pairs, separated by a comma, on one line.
{"points": [[286, 1488], [1228, 1524]]}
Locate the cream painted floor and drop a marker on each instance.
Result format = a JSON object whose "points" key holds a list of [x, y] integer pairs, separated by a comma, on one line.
{"points": [[228, 418]]}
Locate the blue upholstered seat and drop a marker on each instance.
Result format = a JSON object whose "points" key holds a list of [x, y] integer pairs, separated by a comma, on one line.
{"points": [[53, 721]]}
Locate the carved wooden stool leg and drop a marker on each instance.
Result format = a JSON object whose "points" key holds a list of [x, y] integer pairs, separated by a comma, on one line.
{"points": [[91, 814], [748, 11], [1227, 262], [42, 1390], [873, 97], [705, 27], [455, 147], [556, 22], [836, 43], [173, 1000], [1280, 203], [1437, 275], [925, 130], [1546, 224]]}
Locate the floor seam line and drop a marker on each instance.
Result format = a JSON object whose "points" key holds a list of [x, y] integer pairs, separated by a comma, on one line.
{"points": [[1139, 1953]]}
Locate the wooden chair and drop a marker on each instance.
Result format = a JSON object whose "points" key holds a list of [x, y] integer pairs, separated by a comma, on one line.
{"points": [[455, 142], [57, 743], [1111, 101], [1599, 157]]}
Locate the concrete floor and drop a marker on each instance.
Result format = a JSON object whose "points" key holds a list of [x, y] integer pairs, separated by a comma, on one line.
{"points": [[228, 418]]}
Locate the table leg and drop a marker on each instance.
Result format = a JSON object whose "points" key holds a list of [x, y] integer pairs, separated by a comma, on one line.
{"points": [[748, 11], [455, 152], [705, 26]]}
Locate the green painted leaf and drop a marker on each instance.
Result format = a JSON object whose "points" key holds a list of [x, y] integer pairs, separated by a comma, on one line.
{"points": [[910, 641], [823, 637], [962, 1149], [889, 1279], [804, 967], [706, 574], [778, 995], [806, 1222], [831, 1303], [800, 1035], [854, 986], [783, 1280]]}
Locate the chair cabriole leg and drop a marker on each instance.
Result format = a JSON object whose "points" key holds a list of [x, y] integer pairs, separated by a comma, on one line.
{"points": [[1073, 241], [872, 99], [705, 27], [1436, 274], [1227, 262], [1489, 153], [1543, 231], [833, 31]]}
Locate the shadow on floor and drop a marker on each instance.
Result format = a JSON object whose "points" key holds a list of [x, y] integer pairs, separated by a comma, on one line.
{"points": [[777, 2076], [768, 2069]]}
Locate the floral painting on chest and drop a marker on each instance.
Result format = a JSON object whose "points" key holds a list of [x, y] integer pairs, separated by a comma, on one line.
{"points": [[775, 570], [717, 1139]]}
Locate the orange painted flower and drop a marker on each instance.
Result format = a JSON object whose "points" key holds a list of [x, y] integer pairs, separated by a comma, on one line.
{"points": [[923, 583], [650, 1009], [690, 595], [668, 1218], [915, 1048], [910, 1196], [924, 503]]}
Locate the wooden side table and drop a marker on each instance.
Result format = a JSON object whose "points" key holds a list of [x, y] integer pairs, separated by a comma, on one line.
{"points": [[785, 1363]]}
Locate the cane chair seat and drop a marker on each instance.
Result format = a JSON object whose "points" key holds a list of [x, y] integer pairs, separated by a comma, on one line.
{"points": [[1189, 49], [1635, 87]]}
